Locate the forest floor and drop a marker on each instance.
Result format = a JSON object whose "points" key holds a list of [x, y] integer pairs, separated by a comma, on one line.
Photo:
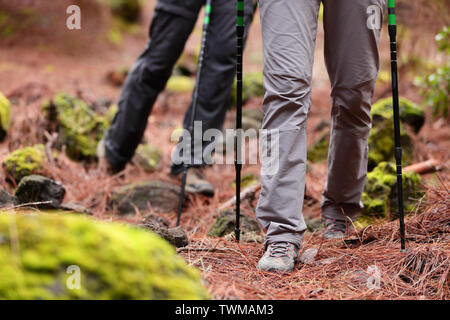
{"points": [[35, 70]]}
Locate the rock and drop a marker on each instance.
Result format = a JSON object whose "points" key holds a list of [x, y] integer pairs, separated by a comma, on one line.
{"points": [[36, 188], [410, 113], [380, 193], [251, 236], [381, 143], [252, 86], [127, 10], [114, 261], [24, 162], [319, 150], [308, 256], [175, 236], [147, 157], [226, 223], [180, 84], [5, 116], [75, 208], [161, 196], [79, 127], [7, 200]]}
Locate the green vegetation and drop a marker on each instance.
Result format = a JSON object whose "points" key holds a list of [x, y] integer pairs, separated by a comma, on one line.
{"points": [[435, 87], [147, 157], [114, 261], [80, 128], [380, 193], [24, 162], [5, 116]]}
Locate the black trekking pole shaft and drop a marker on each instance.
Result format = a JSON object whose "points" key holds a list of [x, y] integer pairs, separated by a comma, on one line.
{"points": [[238, 137], [396, 109], [206, 21]]}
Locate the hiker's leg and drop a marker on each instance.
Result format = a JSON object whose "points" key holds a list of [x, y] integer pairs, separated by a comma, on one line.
{"points": [[219, 69], [352, 60], [289, 32], [168, 34]]}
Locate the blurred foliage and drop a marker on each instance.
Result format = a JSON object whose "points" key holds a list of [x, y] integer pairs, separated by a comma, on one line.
{"points": [[5, 116], [435, 87]]}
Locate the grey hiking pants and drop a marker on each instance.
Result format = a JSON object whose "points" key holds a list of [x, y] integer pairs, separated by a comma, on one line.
{"points": [[351, 55], [172, 23]]}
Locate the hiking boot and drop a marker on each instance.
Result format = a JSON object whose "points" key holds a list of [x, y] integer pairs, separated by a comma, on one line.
{"points": [[197, 184], [335, 229], [279, 256], [103, 162]]}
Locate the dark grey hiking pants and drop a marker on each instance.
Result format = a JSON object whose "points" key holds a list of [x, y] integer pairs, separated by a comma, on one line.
{"points": [[351, 54], [172, 23]]}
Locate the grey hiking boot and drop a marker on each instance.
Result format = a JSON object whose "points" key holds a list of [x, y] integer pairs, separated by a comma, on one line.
{"points": [[335, 229], [279, 256], [196, 182]]}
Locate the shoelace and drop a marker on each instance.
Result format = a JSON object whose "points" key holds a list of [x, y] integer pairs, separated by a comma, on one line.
{"points": [[279, 249]]}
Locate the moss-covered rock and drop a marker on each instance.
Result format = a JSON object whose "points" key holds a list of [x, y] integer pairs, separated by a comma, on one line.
{"points": [[180, 84], [24, 162], [80, 128], [158, 195], [147, 157], [113, 261], [381, 139], [252, 86], [38, 189], [5, 116], [380, 193], [225, 224], [410, 113]]}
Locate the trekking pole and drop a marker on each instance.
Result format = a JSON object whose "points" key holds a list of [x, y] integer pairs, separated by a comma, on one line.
{"points": [[238, 140], [194, 105], [395, 103]]}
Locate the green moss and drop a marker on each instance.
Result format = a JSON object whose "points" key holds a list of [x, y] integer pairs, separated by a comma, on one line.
{"points": [[319, 150], [410, 113], [80, 128], [180, 84], [25, 161], [115, 261], [381, 139], [5, 116], [380, 193], [247, 180], [147, 157]]}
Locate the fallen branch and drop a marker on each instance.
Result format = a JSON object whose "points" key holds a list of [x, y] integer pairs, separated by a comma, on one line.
{"points": [[245, 194], [428, 166]]}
